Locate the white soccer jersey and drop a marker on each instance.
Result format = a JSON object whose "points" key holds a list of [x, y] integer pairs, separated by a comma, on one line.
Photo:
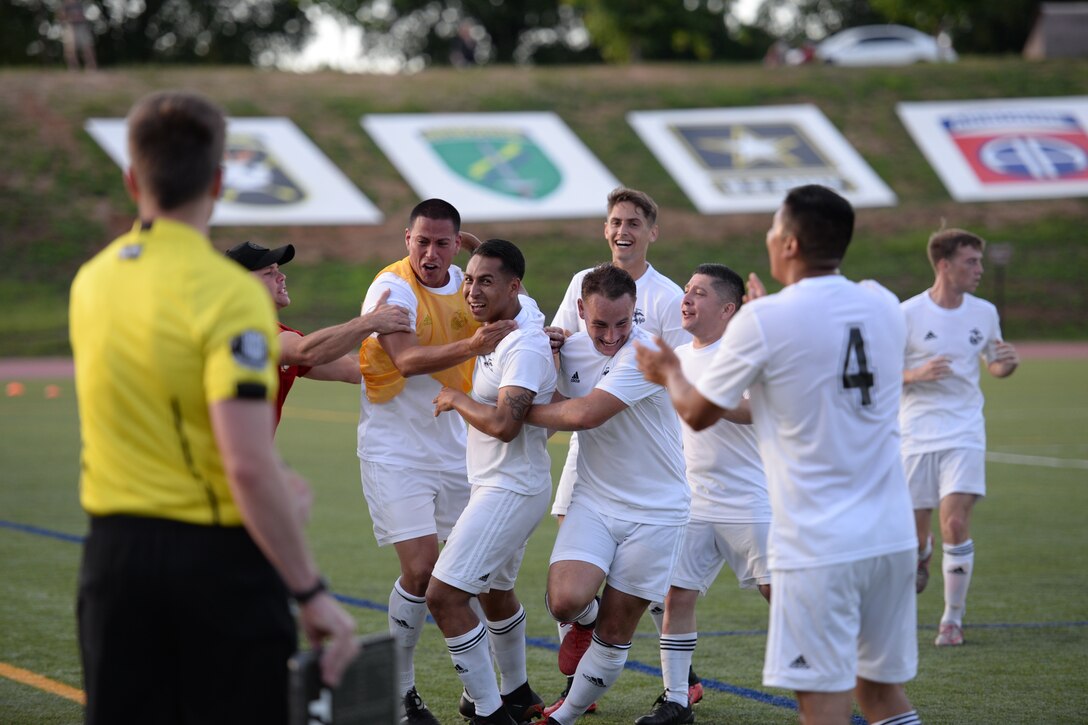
{"points": [[405, 431], [657, 306], [942, 414], [522, 359], [725, 472], [632, 466], [823, 359]]}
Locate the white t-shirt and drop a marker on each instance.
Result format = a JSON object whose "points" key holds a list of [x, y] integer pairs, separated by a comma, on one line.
{"points": [[630, 467], [725, 472], [522, 359], [657, 306], [942, 414], [823, 359], [405, 431]]}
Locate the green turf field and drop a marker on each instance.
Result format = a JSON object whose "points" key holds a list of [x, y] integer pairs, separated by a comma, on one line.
{"points": [[1027, 654]]}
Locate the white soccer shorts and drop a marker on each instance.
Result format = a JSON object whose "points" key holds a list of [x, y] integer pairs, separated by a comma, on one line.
{"points": [[932, 476], [708, 545], [407, 503]]}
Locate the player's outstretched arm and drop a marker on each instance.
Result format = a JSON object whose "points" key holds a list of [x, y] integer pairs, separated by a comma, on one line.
{"points": [[329, 344], [1005, 361], [576, 414], [412, 358], [662, 366]]}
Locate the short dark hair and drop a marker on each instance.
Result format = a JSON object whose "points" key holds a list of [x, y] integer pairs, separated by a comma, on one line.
{"points": [[609, 281], [821, 220], [945, 243], [728, 284], [513, 261], [435, 209], [640, 199], [175, 143]]}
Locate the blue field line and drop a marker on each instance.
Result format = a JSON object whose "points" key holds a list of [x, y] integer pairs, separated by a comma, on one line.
{"points": [[547, 643], [27, 529]]}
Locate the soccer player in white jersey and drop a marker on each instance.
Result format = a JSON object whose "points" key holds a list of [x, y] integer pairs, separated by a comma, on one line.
{"points": [[510, 473], [730, 511], [823, 360], [944, 436], [625, 523], [630, 228], [412, 464]]}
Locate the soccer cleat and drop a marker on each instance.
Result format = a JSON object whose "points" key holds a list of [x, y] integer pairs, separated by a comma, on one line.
{"points": [[574, 647], [466, 707], [950, 635], [499, 717], [523, 704], [563, 696], [667, 712], [695, 686], [416, 712], [922, 577]]}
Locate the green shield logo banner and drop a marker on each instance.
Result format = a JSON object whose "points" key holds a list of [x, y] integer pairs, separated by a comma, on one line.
{"points": [[505, 161]]}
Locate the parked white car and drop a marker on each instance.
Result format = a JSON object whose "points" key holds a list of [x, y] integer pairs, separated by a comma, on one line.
{"points": [[884, 45]]}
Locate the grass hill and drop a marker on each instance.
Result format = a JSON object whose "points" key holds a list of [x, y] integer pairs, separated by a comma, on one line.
{"points": [[61, 197]]}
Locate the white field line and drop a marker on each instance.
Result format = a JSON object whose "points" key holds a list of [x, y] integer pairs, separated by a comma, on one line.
{"points": [[1041, 461]]}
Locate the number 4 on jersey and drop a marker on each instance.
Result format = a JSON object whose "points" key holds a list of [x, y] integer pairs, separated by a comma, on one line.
{"points": [[860, 377]]}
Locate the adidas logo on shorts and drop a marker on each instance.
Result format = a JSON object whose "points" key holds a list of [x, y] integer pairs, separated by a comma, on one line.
{"points": [[574, 378], [799, 663]]}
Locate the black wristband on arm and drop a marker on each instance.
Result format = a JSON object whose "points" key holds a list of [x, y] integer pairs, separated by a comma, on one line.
{"points": [[307, 594]]}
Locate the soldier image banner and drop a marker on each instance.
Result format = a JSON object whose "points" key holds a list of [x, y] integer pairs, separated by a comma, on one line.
{"points": [[273, 174]]}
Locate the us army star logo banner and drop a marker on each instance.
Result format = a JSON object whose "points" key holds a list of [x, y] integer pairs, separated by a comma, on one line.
{"points": [[273, 175], [734, 160], [495, 166], [1023, 148]]}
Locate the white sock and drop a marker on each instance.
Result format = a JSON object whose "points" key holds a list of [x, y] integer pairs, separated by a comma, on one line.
{"points": [[563, 628], [657, 613], [472, 660], [406, 615], [589, 614], [597, 672], [508, 643], [957, 563], [676, 654], [907, 718]]}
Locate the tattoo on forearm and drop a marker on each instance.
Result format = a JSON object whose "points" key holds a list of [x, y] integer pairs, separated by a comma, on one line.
{"points": [[519, 404]]}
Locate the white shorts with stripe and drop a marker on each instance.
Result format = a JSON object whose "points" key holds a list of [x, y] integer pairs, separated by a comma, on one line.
{"points": [[637, 558], [407, 503], [708, 545], [932, 476], [487, 544], [832, 624]]}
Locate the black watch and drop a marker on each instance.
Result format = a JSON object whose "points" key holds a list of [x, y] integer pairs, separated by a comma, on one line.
{"points": [[307, 594]]}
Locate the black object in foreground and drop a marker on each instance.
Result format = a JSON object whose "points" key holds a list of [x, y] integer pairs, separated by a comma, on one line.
{"points": [[366, 694]]}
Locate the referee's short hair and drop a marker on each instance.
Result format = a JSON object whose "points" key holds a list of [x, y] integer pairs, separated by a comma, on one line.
{"points": [[176, 141]]}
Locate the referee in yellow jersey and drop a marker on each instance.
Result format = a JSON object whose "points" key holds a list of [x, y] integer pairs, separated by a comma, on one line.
{"points": [[196, 540]]}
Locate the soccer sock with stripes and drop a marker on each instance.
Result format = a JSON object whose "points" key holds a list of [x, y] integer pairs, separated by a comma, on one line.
{"points": [[406, 615], [589, 614], [657, 613], [906, 718], [508, 643], [676, 654], [472, 661], [957, 563], [599, 669]]}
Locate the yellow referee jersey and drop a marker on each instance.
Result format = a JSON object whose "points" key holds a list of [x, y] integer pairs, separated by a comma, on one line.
{"points": [[161, 326]]}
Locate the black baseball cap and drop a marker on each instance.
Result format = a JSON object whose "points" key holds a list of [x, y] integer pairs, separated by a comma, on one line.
{"points": [[254, 256]]}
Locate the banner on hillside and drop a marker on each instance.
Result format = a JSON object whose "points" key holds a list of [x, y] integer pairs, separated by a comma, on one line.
{"points": [[736, 160], [1017, 148], [495, 166], [273, 175]]}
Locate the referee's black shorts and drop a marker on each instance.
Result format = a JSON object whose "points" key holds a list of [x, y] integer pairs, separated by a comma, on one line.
{"points": [[180, 623]]}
